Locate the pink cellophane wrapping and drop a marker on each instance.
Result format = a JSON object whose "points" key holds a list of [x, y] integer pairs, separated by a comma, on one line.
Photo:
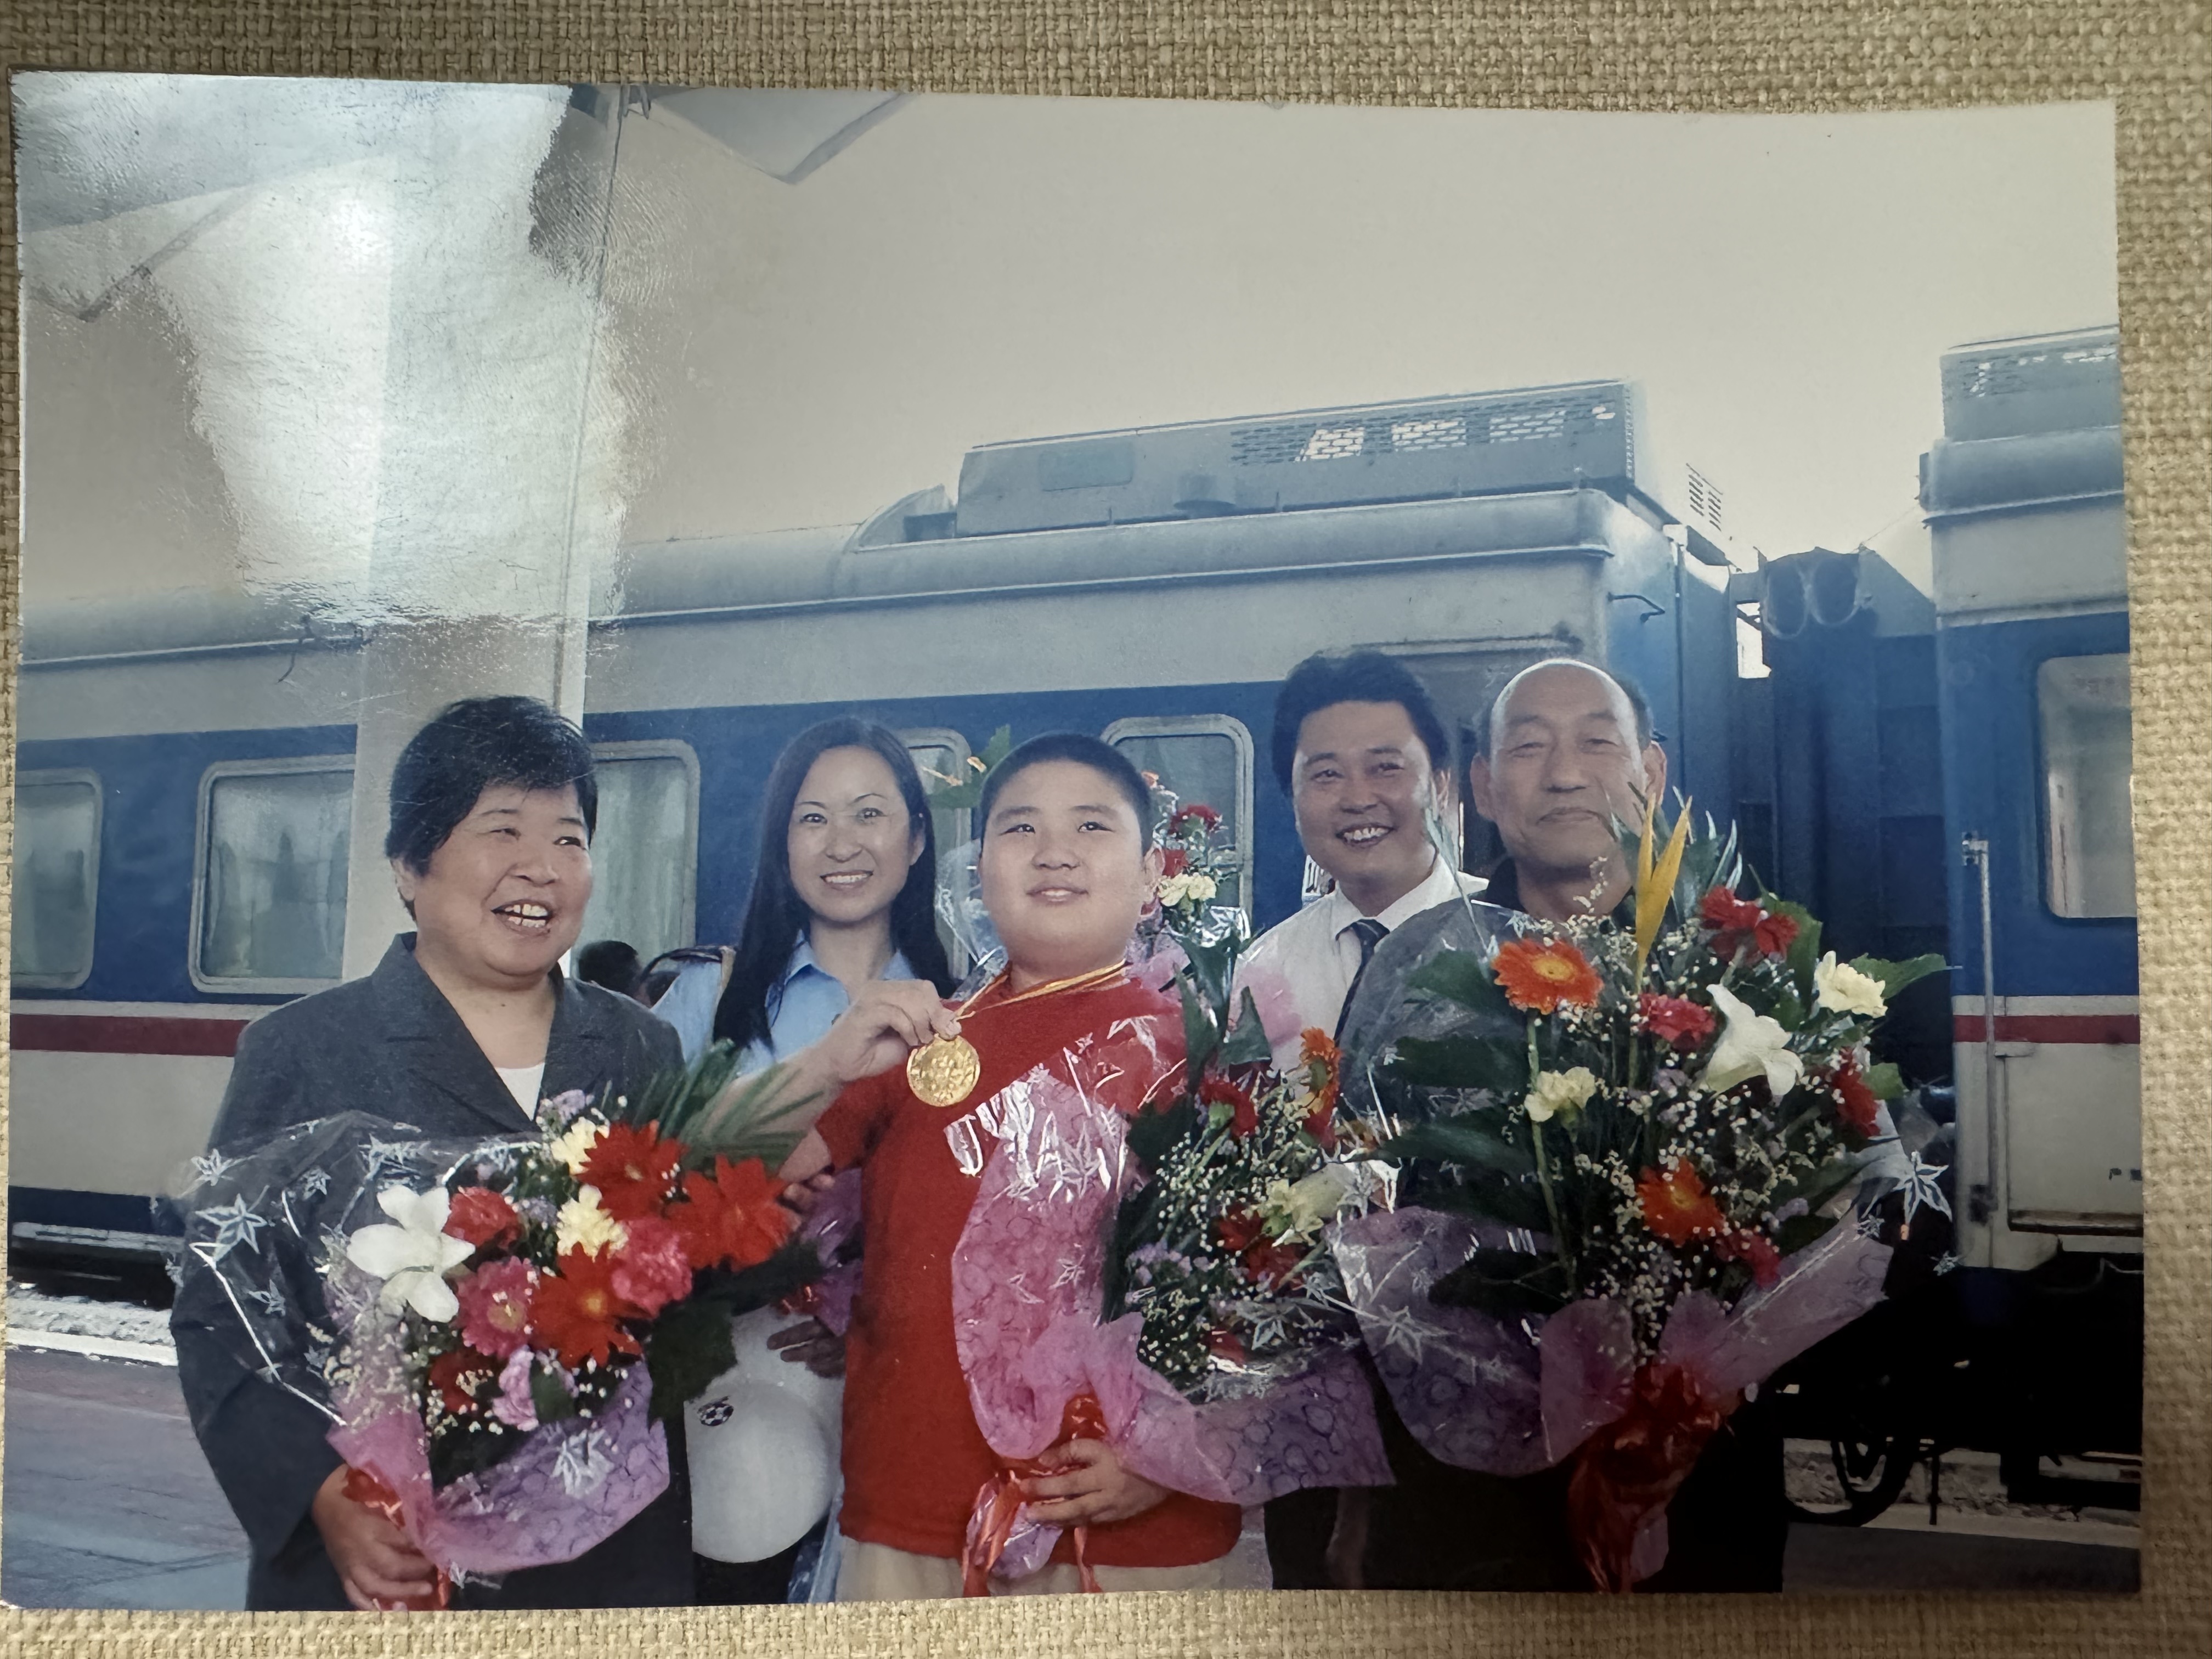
{"points": [[570, 1484], [1028, 1284], [1512, 1396], [834, 1219]]}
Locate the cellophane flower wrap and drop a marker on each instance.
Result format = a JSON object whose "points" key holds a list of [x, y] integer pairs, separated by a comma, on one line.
{"points": [[1636, 1165], [498, 1328], [1051, 1328]]}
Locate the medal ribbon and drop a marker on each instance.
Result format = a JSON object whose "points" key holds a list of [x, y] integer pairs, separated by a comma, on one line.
{"points": [[373, 1495], [1000, 1502]]}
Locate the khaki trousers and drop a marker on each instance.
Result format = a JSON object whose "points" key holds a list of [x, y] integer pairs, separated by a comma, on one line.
{"points": [[877, 1572]]}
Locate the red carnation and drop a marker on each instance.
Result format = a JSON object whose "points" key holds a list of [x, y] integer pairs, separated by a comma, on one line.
{"points": [[1272, 1265], [1756, 1251], [1197, 809], [1676, 1021], [653, 1268], [1736, 922], [458, 1373], [1239, 1232], [578, 1311], [632, 1167], [482, 1217], [1218, 1090], [1856, 1102], [1225, 1346], [733, 1217], [1174, 861]]}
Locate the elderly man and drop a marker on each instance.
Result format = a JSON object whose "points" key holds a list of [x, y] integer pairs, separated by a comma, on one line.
{"points": [[1566, 752]]}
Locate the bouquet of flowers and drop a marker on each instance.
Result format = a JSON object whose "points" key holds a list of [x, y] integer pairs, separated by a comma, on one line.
{"points": [[1221, 1250], [1642, 1146], [499, 1348]]}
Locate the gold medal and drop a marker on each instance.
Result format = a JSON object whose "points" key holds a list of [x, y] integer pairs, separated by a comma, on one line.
{"points": [[943, 1070]]}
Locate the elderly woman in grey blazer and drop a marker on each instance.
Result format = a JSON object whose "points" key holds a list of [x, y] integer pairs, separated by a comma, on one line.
{"points": [[466, 1024]]}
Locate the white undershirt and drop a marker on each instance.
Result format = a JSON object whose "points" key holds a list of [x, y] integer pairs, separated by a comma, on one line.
{"points": [[522, 1083]]}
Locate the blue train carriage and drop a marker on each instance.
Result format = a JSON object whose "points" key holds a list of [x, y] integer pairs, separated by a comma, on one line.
{"points": [[2023, 495], [186, 760]]}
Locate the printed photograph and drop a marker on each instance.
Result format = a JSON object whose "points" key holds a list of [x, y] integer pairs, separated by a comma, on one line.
{"points": [[802, 846]]}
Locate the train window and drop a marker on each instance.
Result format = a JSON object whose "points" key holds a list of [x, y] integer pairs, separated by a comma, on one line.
{"points": [[645, 850], [269, 907], [1203, 758], [56, 878], [940, 754], [2083, 705]]}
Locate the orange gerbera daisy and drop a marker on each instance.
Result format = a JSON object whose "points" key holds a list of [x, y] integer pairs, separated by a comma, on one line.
{"points": [[1539, 975], [1676, 1205]]}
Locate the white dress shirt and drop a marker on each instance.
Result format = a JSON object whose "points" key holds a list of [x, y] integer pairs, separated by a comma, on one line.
{"points": [[1314, 954]]}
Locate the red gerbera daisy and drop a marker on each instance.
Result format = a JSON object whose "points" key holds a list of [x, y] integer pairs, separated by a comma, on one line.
{"points": [[578, 1311], [1540, 974], [733, 1217], [1676, 1205], [1756, 1251], [1199, 811], [632, 1167]]}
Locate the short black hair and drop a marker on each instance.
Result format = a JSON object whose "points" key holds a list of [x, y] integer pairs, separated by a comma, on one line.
{"points": [[1085, 750], [612, 963], [1321, 680], [1639, 706], [473, 745]]}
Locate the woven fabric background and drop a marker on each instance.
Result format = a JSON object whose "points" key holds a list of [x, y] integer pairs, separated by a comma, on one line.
{"points": [[1715, 55]]}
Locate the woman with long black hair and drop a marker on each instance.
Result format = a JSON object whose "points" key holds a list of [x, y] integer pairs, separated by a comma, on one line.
{"points": [[844, 891]]}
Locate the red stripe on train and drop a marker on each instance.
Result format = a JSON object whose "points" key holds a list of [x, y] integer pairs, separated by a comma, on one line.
{"points": [[124, 1034], [2052, 1028]]}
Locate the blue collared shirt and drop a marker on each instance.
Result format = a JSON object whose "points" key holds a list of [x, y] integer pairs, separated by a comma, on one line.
{"points": [[801, 1005]]}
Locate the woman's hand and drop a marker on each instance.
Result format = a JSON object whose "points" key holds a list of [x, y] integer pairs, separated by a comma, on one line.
{"points": [[1091, 1489], [812, 1344], [375, 1561]]}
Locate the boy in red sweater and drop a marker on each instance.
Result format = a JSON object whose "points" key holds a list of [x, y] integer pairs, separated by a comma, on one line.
{"points": [[1067, 867]]}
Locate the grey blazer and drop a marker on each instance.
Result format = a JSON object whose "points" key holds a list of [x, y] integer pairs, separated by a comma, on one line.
{"points": [[391, 1045]]}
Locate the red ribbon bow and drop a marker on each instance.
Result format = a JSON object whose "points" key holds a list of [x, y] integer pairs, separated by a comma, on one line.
{"points": [[373, 1495], [1000, 1502]]}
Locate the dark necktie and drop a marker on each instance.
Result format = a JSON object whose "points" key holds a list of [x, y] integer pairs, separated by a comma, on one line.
{"points": [[1370, 934]]}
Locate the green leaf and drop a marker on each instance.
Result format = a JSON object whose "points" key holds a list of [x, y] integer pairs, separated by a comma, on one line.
{"points": [[1894, 977], [1818, 1185], [1794, 1234], [1509, 1202], [713, 1111], [1788, 1010], [968, 793], [1247, 1044], [1885, 1080], [687, 1348], [1463, 977], [1153, 1133], [1805, 949], [1504, 1283], [1498, 1064], [1462, 1140], [549, 1396], [1202, 1035]]}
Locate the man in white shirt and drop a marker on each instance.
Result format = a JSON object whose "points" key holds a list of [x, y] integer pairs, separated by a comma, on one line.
{"points": [[1358, 748]]}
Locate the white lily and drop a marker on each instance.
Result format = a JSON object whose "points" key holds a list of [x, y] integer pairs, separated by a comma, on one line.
{"points": [[1554, 1092], [413, 1255], [1750, 1043], [1842, 989]]}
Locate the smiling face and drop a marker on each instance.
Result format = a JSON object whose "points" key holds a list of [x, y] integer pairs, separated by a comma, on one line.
{"points": [[504, 896], [1065, 872], [850, 842], [1564, 762], [1362, 786]]}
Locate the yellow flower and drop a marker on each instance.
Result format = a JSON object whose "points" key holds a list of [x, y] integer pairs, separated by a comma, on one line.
{"points": [[575, 1146], [1842, 989], [1557, 1092], [583, 1225]]}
